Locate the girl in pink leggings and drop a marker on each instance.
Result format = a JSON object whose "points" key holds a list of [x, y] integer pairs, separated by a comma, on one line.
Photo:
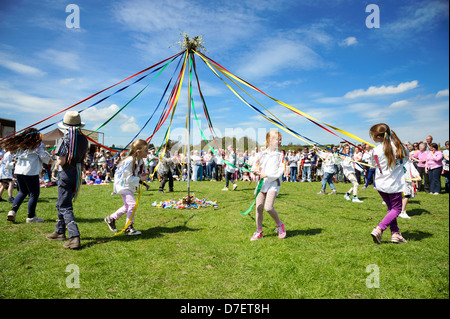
{"points": [[126, 181], [389, 157]]}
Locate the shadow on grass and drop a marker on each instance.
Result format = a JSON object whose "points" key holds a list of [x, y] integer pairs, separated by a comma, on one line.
{"points": [[416, 235], [149, 233], [301, 232], [417, 212]]}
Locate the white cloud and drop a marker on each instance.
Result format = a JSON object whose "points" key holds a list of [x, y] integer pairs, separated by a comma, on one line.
{"points": [[418, 17], [275, 55], [18, 101], [348, 42], [399, 104], [8, 63], [67, 60], [383, 90], [130, 126], [98, 116], [222, 26], [442, 93]]}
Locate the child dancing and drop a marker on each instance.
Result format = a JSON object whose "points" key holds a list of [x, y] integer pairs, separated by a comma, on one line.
{"points": [[329, 169], [126, 181], [31, 155], [348, 168], [390, 156], [409, 190], [70, 154], [269, 167]]}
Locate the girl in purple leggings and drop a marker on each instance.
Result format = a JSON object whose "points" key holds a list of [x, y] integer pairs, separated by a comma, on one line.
{"points": [[389, 157]]}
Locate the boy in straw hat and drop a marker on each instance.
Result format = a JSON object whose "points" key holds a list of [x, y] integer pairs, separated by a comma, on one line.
{"points": [[70, 154]]}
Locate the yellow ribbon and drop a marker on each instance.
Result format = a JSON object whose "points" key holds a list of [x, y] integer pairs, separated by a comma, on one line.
{"points": [[238, 95], [223, 71], [132, 214]]}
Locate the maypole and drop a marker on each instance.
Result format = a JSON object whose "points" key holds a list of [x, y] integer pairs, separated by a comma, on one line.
{"points": [[188, 200], [190, 45]]}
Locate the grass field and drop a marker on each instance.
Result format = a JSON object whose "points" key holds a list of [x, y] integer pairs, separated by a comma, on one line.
{"points": [[207, 253]]}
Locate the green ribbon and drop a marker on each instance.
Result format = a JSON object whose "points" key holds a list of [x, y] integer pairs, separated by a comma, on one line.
{"points": [[115, 114], [258, 189]]}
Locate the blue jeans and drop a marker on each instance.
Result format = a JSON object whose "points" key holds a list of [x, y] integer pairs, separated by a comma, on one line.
{"points": [[209, 170], [293, 173], [328, 178], [67, 181], [370, 174], [28, 186], [306, 172], [197, 173], [228, 178]]}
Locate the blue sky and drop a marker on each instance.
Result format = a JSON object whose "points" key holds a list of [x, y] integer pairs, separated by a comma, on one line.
{"points": [[318, 56]]}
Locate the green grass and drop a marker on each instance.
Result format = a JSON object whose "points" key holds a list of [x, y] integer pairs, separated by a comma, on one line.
{"points": [[207, 253]]}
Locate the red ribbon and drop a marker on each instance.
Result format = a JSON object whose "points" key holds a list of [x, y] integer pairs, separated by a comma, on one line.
{"points": [[145, 70]]}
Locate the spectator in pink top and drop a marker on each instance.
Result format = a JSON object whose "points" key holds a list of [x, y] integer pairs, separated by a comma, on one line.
{"points": [[434, 168], [420, 157]]}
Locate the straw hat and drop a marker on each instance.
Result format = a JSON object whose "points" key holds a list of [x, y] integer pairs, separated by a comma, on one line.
{"points": [[71, 118]]}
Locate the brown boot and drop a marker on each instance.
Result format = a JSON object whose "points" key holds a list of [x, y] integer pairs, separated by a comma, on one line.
{"points": [[73, 243], [56, 236]]}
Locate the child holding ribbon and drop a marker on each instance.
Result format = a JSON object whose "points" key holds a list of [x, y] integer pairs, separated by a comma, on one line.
{"points": [[409, 189], [389, 156], [270, 168], [349, 169], [329, 169], [70, 154], [31, 155], [126, 181]]}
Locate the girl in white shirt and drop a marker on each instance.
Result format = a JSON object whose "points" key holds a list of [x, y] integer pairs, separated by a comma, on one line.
{"points": [[349, 169], [269, 167], [31, 155], [6, 175], [389, 157], [329, 169], [126, 181]]}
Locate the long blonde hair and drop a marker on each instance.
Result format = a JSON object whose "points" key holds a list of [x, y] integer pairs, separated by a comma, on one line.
{"points": [[383, 131], [135, 146]]}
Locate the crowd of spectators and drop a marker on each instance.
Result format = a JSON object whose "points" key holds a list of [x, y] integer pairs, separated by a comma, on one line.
{"points": [[301, 165]]}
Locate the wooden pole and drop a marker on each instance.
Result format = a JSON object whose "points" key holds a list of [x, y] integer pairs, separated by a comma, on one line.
{"points": [[189, 137]]}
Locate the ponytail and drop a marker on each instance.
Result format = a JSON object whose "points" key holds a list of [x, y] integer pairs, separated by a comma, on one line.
{"points": [[389, 138]]}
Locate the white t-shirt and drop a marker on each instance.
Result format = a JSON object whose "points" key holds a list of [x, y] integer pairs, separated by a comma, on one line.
{"points": [[271, 164], [328, 161], [125, 180], [389, 180]]}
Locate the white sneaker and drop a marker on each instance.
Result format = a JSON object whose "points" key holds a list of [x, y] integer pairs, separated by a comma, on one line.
{"points": [[356, 200], [347, 196], [225, 189], [131, 231], [35, 219], [403, 214], [11, 216]]}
